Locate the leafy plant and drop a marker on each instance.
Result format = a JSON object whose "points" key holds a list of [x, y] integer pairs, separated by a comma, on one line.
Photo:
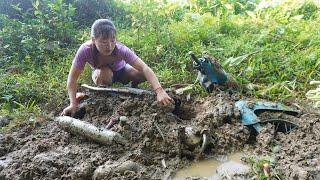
{"points": [[258, 164], [271, 48], [45, 31]]}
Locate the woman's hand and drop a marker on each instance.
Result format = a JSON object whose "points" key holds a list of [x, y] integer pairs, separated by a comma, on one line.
{"points": [[70, 110], [162, 97]]}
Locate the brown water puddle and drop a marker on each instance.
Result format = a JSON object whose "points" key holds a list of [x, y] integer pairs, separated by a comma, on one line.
{"points": [[213, 168]]}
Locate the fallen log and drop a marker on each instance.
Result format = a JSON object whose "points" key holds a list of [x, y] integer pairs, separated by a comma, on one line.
{"points": [[100, 135]]}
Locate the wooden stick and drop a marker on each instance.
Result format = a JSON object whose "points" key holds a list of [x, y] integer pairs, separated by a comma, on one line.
{"points": [[163, 162], [127, 90], [159, 130]]}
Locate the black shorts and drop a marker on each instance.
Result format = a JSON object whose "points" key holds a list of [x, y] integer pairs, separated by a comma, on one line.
{"points": [[118, 74]]}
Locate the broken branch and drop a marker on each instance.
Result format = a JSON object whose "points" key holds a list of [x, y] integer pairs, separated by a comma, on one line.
{"points": [[127, 90], [159, 130]]}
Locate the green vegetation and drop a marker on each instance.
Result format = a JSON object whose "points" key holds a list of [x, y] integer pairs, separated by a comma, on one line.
{"points": [[271, 49], [258, 164]]}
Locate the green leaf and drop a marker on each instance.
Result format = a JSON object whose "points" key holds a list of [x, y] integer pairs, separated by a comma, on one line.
{"points": [[298, 17], [234, 61], [251, 14], [36, 5], [16, 7], [7, 97]]}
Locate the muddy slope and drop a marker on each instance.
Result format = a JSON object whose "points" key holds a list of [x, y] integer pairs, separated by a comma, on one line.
{"points": [[160, 141], [296, 154]]}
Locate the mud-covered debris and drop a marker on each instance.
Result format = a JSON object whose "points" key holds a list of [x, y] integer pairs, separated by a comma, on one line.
{"points": [[299, 152], [230, 137], [50, 162], [7, 143], [4, 161], [82, 171], [265, 137], [156, 141], [4, 121], [192, 135], [110, 168], [232, 169]]}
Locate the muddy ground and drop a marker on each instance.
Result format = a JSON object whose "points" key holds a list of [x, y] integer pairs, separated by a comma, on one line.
{"points": [[160, 141]]}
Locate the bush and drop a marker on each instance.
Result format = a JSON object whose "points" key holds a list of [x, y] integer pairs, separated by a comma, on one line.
{"points": [[44, 34], [87, 11]]}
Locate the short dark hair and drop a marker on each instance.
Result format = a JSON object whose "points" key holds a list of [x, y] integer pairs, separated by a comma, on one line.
{"points": [[103, 28]]}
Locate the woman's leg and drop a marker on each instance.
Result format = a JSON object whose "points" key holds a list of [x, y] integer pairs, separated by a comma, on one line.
{"points": [[102, 76], [131, 74]]}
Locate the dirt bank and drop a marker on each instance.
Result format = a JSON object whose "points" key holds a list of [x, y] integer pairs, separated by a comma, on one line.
{"points": [[295, 155], [160, 141]]}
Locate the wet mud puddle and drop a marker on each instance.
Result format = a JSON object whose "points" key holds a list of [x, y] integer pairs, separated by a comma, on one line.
{"points": [[214, 168]]}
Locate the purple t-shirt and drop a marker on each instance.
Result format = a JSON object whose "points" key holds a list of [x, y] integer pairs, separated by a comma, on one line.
{"points": [[119, 57]]}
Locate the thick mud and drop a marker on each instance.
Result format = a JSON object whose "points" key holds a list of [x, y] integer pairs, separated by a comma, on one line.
{"points": [[161, 140], [296, 155]]}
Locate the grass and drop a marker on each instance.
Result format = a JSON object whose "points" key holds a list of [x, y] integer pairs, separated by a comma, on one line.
{"points": [[273, 51]]}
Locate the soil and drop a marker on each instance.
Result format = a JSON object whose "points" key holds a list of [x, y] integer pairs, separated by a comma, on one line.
{"points": [[161, 140]]}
